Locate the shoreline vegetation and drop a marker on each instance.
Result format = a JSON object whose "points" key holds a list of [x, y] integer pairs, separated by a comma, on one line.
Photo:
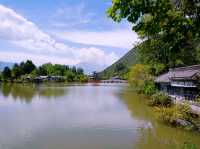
{"points": [[170, 37], [28, 72], [168, 111], [169, 32]]}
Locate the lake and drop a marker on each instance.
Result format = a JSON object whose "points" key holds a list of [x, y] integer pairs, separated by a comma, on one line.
{"points": [[90, 116]]}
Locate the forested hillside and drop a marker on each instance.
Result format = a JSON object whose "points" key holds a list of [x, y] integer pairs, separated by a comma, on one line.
{"points": [[121, 67]]}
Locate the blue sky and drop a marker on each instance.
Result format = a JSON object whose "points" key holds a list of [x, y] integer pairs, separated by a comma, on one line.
{"points": [[72, 32]]}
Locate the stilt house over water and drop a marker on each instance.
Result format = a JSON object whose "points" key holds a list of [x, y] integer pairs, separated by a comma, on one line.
{"points": [[181, 83]]}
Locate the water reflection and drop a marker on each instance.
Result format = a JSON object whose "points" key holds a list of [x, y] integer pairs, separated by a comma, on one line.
{"points": [[84, 117], [87, 117], [157, 135], [27, 92]]}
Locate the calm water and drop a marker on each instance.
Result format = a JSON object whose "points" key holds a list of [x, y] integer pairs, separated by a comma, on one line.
{"points": [[82, 117]]}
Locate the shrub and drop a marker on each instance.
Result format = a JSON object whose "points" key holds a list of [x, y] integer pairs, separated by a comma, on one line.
{"points": [[168, 115], [149, 88], [141, 79], [184, 111], [179, 115], [188, 145], [197, 100], [1, 77], [160, 99]]}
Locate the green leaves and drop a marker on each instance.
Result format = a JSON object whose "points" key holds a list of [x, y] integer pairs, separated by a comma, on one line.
{"points": [[6, 74], [170, 29], [24, 69], [141, 79]]}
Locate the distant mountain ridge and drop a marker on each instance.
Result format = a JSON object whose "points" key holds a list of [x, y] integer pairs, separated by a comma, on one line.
{"points": [[5, 64], [120, 68]]}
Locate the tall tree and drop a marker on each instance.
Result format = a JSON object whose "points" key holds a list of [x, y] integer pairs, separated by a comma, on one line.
{"points": [[80, 71], [169, 28], [28, 67], [16, 71], [6, 74]]}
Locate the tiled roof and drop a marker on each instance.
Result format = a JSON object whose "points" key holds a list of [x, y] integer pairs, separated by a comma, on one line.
{"points": [[164, 78], [179, 73]]}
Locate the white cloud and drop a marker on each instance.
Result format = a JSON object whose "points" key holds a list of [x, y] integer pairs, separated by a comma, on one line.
{"points": [[20, 31], [41, 47], [93, 56], [38, 59], [121, 38], [71, 16]]}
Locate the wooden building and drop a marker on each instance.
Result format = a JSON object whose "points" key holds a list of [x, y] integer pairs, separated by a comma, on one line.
{"points": [[115, 79], [180, 82]]}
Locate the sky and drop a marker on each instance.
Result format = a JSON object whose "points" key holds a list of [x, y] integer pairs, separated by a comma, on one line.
{"points": [[70, 32]]}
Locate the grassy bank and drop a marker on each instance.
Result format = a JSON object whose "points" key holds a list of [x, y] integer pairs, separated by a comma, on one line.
{"points": [[174, 114]]}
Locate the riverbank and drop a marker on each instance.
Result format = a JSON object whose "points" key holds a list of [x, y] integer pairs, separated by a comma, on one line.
{"points": [[64, 116], [195, 106], [29, 72], [46, 79], [169, 112], [165, 136], [176, 113]]}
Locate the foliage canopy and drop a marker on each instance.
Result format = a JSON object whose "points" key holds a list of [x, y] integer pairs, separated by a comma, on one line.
{"points": [[141, 79], [27, 68], [169, 29]]}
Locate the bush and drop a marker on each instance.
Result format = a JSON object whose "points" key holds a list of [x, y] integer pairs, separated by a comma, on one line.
{"points": [[141, 79], [188, 145], [179, 115], [160, 99], [197, 100], [1, 77], [149, 88], [184, 111], [168, 115]]}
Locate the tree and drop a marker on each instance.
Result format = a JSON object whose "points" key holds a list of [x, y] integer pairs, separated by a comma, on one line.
{"points": [[47, 69], [120, 67], [141, 79], [80, 71], [21, 65], [1, 77], [70, 76], [96, 76], [27, 67], [6, 74], [74, 69], [41, 71], [66, 67], [169, 28], [59, 69], [16, 71]]}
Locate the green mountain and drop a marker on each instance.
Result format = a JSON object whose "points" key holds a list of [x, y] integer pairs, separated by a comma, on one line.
{"points": [[121, 67]]}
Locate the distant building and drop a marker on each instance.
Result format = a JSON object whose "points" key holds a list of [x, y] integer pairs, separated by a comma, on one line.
{"points": [[49, 78], [180, 82], [41, 79], [26, 78], [56, 78], [115, 79]]}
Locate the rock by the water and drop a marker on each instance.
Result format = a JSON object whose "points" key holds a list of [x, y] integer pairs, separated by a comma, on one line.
{"points": [[183, 123]]}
